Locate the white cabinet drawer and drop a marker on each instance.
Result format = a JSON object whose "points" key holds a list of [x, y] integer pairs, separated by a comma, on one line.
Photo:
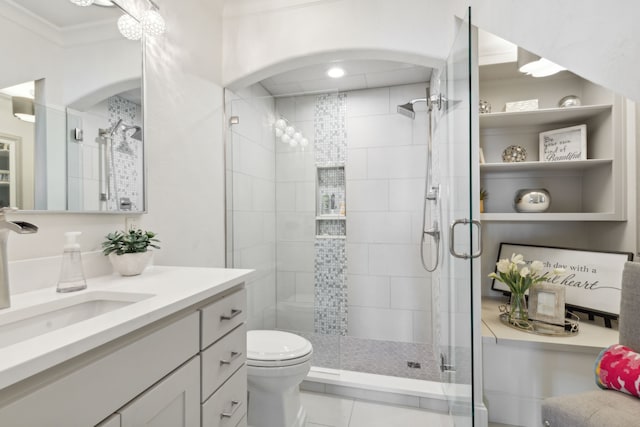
{"points": [[228, 405], [174, 401], [243, 422], [222, 359], [220, 317]]}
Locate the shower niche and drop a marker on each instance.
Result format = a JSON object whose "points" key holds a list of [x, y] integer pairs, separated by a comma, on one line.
{"points": [[331, 201]]}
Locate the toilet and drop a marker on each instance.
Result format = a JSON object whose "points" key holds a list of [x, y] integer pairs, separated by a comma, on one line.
{"points": [[277, 362]]}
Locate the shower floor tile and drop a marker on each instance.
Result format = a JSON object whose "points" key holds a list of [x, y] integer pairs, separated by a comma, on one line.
{"points": [[373, 356]]}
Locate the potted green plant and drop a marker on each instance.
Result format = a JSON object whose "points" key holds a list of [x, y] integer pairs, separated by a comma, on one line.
{"points": [[129, 251], [484, 195]]}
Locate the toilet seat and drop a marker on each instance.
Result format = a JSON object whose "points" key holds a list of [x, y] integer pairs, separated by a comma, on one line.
{"points": [[276, 349]]}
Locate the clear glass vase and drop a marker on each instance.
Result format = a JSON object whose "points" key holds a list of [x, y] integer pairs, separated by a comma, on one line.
{"points": [[518, 313]]}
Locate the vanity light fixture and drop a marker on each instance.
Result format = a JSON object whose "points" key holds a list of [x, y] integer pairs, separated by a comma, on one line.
{"points": [[335, 72], [152, 22], [288, 134], [23, 108], [533, 65], [129, 27], [82, 3], [132, 28]]}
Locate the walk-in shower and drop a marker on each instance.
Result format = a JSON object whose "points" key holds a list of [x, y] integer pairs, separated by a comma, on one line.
{"points": [[335, 231]]}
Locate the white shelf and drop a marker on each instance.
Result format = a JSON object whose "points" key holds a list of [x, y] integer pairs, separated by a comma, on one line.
{"points": [[329, 236], [549, 216], [544, 166], [545, 116], [332, 217]]}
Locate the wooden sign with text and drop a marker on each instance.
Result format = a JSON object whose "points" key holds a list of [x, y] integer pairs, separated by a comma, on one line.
{"points": [[565, 144], [592, 279]]}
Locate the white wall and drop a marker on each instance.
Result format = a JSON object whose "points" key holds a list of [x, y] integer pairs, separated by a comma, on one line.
{"points": [[389, 292], [262, 38], [183, 134], [597, 40]]}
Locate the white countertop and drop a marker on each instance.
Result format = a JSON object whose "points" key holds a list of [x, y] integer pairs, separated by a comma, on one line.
{"points": [[591, 337], [172, 289]]}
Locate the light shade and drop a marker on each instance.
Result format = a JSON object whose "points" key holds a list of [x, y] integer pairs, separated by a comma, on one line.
{"points": [[82, 2], [23, 109], [536, 66], [129, 27], [153, 23]]}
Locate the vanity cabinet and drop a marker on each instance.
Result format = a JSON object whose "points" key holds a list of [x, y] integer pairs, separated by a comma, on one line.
{"points": [[179, 371], [581, 190], [174, 401]]}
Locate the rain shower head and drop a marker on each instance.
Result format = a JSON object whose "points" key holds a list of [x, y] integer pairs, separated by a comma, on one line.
{"points": [[135, 135], [407, 109]]}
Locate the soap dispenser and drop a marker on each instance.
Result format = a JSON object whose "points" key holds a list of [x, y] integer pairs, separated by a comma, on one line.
{"points": [[71, 273]]}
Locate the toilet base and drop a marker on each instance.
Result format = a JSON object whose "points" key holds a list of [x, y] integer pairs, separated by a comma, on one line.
{"points": [[301, 419], [273, 410]]}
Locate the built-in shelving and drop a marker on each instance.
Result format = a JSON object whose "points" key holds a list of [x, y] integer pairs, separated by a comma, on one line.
{"points": [[580, 190], [547, 216], [330, 201], [543, 116], [332, 217], [544, 166]]}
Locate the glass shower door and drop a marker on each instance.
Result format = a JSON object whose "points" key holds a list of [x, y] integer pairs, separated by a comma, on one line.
{"points": [[450, 96]]}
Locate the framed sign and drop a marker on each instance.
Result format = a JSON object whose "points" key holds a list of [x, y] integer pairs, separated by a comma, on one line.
{"points": [[592, 279], [564, 144]]}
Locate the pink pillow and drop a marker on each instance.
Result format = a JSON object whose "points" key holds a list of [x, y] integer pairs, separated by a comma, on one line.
{"points": [[618, 368]]}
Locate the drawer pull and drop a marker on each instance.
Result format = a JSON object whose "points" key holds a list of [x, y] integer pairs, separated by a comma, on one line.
{"points": [[234, 356], [234, 312], [235, 404]]}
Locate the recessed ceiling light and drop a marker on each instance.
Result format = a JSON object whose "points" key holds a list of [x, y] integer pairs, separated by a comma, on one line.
{"points": [[335, 72]]}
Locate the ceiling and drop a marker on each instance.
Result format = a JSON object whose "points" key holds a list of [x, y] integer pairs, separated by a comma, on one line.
{"points": [[366, 74], [64, 14], [359, 74]]}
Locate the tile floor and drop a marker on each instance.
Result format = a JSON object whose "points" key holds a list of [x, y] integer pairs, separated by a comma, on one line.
{"points": [[325, 410]]}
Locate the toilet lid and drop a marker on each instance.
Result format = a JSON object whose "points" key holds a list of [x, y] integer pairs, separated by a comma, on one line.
{"points": [[276, 345]]}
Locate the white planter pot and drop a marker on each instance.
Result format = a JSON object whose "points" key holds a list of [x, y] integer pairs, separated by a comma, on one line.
{"points": [[130, 264]]}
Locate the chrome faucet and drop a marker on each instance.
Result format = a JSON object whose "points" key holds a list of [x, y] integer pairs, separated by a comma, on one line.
{"points": [[19, 227]]}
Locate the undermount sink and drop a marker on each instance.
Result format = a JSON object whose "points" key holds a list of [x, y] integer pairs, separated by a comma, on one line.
{"points": [[21, 324]]}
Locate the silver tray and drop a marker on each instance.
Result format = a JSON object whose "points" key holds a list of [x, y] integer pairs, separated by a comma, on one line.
{"points": [[569, 329]]}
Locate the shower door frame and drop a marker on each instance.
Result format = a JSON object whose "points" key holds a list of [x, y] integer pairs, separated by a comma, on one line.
{"points": [[452, 94]]}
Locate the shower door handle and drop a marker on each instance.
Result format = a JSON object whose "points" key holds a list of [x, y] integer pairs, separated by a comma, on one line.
{"points": [[452, 233]]}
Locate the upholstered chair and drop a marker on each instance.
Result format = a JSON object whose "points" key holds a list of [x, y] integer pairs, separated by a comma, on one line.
{"points": [[605, 408]]}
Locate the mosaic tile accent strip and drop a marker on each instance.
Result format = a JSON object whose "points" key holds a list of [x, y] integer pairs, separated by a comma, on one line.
{"points": [[331, 129], [127, 173], [330, 149], [331, 227], [330, 287]]}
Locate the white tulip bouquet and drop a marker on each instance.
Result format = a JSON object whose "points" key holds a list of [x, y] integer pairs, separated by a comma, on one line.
{"points": [[519, 276]]}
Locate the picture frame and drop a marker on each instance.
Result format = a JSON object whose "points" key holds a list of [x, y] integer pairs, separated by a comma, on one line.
{"points": [[546, 303], [566, 144], [592, 278]]}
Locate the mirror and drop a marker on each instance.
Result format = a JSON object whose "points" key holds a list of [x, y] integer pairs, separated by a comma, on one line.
{"points": [[71, 109]]}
